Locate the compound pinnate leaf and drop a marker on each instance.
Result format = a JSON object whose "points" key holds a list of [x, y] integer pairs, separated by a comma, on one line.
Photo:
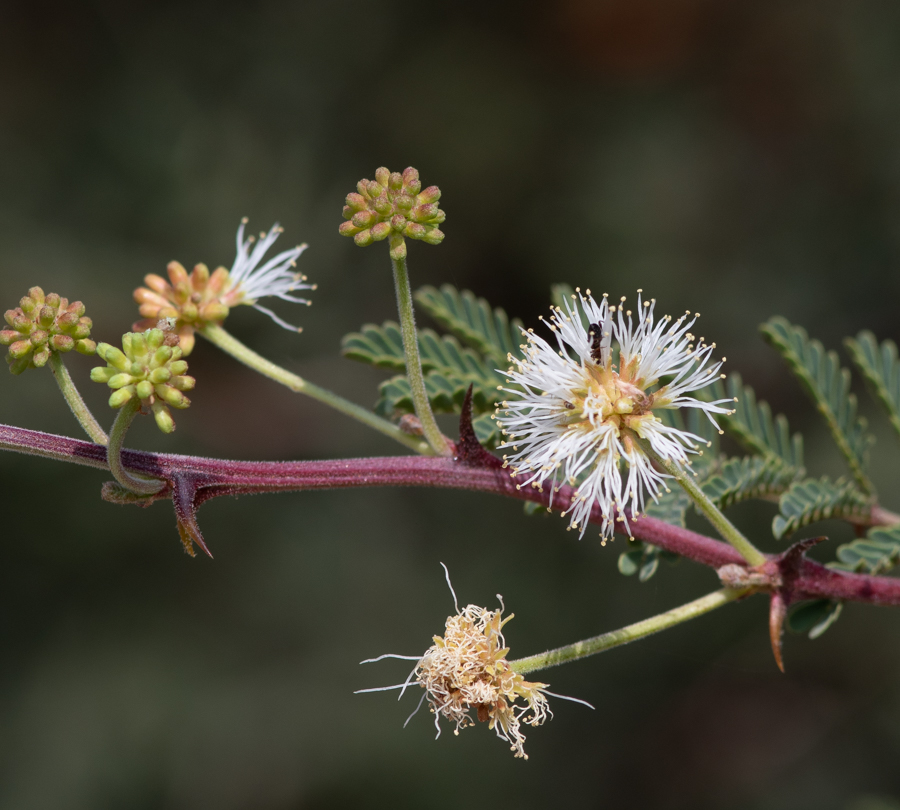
{"points": [[828, 385], [876, 553], [740, 479], [880, 368]]}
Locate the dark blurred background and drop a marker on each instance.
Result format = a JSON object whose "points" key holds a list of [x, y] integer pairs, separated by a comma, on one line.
{"points": [[736, 158]]}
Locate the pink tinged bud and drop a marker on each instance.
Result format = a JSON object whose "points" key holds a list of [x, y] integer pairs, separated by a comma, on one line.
{"points": [[177, 274], [398, 247], [363, 238], [214, 312], [438, 218], [87, 347], [364, 219], [76, 308], [383, 206], [356, 202], [347, 212], [67, 321], [430, 195], [183, 383], [47, 315], [395, 181], [189, 312], [363, 188], [8, 336], [158, 284], [186, 340], [20, 348], [41, 357], [398, 222], [23, 324], [379, 231], [39, 337], [218, 281], [199, 277], [433, 237], [143, 295], [120, 397], [62, 343], [423, 213], [404, 202], [17, 366], [37, 294], [10, 316], [144, 389], [163, 418], [413, 188], [375, 189], [28, 304], [382, 176], [53, 301], [348, 229], [410, 175], [414, 231], [178, 367]]}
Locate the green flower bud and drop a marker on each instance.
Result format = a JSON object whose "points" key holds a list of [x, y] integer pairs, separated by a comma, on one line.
{"points": [[84, 346], [47, 323], [384, 207], [149, 368]]}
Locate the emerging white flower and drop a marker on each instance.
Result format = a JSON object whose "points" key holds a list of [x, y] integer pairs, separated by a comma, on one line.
{"points": [[277, 277], [199, 298], [579, 415]]}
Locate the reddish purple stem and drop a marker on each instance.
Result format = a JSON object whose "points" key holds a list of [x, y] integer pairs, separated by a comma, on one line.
{"points": [[193, 480]]}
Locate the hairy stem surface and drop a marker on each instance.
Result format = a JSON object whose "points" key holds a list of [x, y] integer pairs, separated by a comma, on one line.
{"points": [[230, 344], [633, 632], [430, 428], [76, 403], [712, 512], [124, 418]]}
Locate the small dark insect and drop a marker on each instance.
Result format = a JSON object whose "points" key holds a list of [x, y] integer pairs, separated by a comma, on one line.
{"points": [[595, 335]]}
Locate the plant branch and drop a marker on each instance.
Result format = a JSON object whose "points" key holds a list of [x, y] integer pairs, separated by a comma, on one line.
{"points": [[633, 632], [231, 345], [215, 477], [430, 428], [76, 403]]}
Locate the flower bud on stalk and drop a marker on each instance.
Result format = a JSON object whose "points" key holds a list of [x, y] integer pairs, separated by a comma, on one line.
{"points": [[42, 324], [148, 367], [393, 205]]}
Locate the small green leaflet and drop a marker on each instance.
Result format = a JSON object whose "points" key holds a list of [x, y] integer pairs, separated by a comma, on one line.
{"points": [[807, 501], [876, 553], [880, 369]]}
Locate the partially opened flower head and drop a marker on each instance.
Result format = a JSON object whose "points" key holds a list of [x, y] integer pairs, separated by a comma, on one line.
{"points": [[199, 298], [580, 413]]}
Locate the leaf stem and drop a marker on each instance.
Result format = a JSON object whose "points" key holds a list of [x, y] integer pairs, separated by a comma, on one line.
{"points": [[124, 418], [414, 374], [713, 514], [76, 403], [633, 632], [231, 345]]}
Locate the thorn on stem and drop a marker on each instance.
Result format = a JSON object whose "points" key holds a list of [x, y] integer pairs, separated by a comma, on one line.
{"points": [[468, 448], [777, 614]]}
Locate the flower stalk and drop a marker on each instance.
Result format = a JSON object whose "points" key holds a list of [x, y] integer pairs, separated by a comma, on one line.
{"points": [[430, 429], [76, 403], [710, 511], [632, 632], [231, 345], [124, 418]]}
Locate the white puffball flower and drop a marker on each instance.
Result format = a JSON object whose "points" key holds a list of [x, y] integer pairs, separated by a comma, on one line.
{"points": [[577, 415]]}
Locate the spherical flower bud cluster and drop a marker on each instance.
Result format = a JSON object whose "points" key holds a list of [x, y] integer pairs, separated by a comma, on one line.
{"points": [[148, 367], [42, 324], [393, 205], [199, 298]]}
